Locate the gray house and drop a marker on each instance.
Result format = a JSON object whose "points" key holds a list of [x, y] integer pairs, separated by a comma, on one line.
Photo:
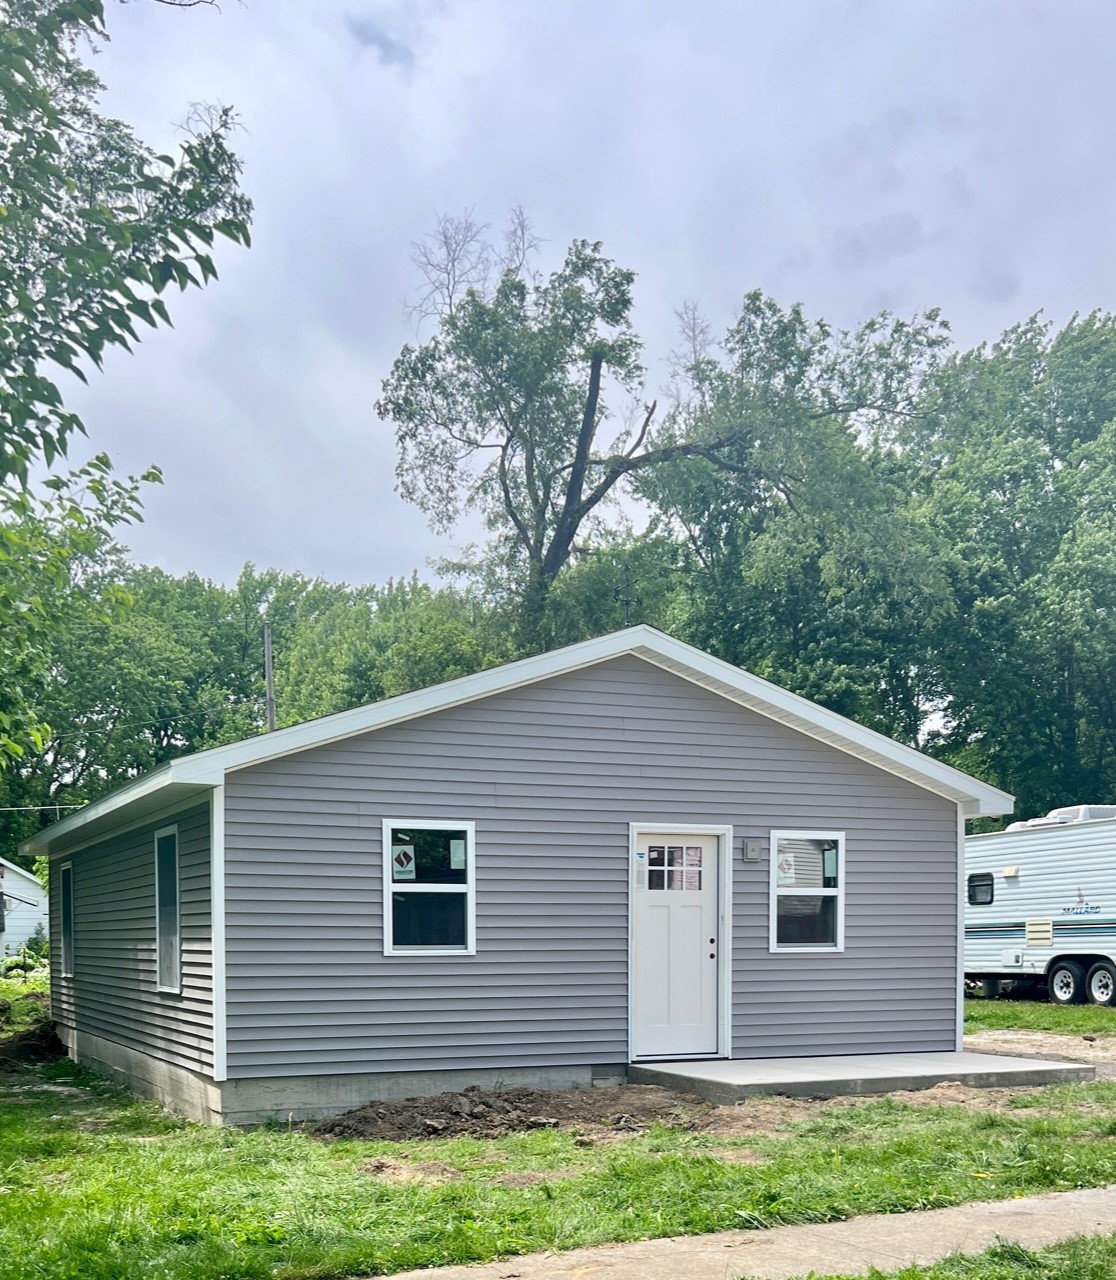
{"points": [[623, 851]]}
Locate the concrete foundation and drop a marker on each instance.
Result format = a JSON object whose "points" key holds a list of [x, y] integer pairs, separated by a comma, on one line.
{"points": [[286, 1098], [725, 1081], [185, 1092], [251, 1101]]}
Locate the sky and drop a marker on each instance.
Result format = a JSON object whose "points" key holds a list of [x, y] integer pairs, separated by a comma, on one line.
{"points": [[852, 155]]}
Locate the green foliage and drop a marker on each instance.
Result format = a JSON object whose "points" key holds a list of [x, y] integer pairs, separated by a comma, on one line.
{"points": [[1031, 1015], [1012, 470], [24, 999], [45, 544], [93, 225], [84, 1198], [1083, 1258]]}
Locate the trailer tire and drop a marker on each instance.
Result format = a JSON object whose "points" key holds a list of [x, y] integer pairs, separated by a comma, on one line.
{"points": [[1100, 985], [1065, 983]]}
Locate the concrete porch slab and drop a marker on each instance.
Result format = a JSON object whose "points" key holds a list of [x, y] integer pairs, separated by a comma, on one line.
{"points": [[724, 1082]]}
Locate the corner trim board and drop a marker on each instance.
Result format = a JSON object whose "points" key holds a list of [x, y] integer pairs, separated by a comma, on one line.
{"points": [[217, 924]]}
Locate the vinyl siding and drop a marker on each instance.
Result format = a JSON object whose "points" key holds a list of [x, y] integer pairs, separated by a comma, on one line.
{"points": [[112, 993], [552, 774]]}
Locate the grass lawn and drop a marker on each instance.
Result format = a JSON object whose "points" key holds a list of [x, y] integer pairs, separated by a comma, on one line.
{"points": [[1092, 1258], [1031, 1015], [99, 1186]]}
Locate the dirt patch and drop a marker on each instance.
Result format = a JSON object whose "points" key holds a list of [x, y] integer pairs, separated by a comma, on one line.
{"points": [[492, 1114], [398, 1171], [760, 1117], [1044, 1044], [37, 1044], [604, 1116]]}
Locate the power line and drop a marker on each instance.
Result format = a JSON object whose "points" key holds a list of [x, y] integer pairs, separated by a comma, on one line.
{"points": [[37, 808]]}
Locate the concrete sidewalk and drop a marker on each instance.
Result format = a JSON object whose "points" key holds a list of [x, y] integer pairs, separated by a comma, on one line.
{"points": [[886, 1241]]}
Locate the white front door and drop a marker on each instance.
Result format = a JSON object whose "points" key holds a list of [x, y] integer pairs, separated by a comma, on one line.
{"points": [[675, 945]]}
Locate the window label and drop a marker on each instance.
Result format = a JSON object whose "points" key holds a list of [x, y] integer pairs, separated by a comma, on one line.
{"points": [[457, 855], [403, 861]]}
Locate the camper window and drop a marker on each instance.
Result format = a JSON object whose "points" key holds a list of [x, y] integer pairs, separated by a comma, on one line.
{"points": [[982, 889]]}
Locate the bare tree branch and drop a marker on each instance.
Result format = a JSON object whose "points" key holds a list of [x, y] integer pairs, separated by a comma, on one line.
{"points": [[451, 259], [520, 243]]}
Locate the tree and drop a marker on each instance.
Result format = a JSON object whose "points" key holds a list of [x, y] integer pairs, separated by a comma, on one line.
{"points": [[93, 227], [1013, 468], [506, 408]]}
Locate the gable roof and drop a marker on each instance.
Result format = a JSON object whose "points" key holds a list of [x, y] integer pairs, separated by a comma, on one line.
{"points": [[196, 774], [20, 871]]}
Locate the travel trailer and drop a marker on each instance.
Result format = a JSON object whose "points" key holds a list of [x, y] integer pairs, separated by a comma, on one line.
{"points": [[1041, 905]]}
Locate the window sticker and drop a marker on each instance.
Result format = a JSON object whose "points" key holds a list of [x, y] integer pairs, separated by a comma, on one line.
{"points": [[457, 855], [403, 862]]}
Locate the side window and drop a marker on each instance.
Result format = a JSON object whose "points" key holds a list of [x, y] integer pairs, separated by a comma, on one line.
{"points": [[982, 889], [429, 904], [168, 946], [807, 891], [66, 904]]}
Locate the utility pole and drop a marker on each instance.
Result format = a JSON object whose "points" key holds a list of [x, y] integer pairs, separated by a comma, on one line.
{"points": [[269, 680]]}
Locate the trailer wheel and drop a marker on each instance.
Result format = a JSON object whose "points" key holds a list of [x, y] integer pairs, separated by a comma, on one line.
{"points": [[1100, 985], [1066, 982]]}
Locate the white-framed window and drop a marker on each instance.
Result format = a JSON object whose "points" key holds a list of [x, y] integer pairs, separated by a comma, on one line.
{"points": [[168, 925], [429, 887], [66, 909], [807, 891]]}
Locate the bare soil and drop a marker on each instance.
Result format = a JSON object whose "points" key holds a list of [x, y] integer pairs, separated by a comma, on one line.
{"points": [[1044, 1044], [609, 1115], [492, 1114], [37, 1044]]}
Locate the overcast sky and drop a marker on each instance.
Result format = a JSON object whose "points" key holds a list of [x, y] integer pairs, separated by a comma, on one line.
{"points": [[849, 154]]}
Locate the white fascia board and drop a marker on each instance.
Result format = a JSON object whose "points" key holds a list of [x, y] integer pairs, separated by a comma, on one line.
{"points": [[828, 726], [151, 783], [208, 768], [409, 706]]}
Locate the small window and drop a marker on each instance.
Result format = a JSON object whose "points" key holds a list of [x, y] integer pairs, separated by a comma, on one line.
{"points": [[168, 947], [428, 888], [982, 889], [66, 903], [807, 891]]}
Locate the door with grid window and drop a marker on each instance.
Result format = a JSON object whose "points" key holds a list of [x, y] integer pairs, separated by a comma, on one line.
{"points": [[675, 945]]}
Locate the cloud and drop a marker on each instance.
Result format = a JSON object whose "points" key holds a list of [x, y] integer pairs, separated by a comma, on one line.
{"points": [[888, 237], [996, 284], [368, 33]]}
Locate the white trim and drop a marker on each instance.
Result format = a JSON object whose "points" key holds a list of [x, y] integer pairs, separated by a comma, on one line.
{"points": [[172, 830], [775, 892], [217, 919], [468, 890], [169, 810], [962, 894], [207, 768], [27, 875], [725, 841], [62, 869]]}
